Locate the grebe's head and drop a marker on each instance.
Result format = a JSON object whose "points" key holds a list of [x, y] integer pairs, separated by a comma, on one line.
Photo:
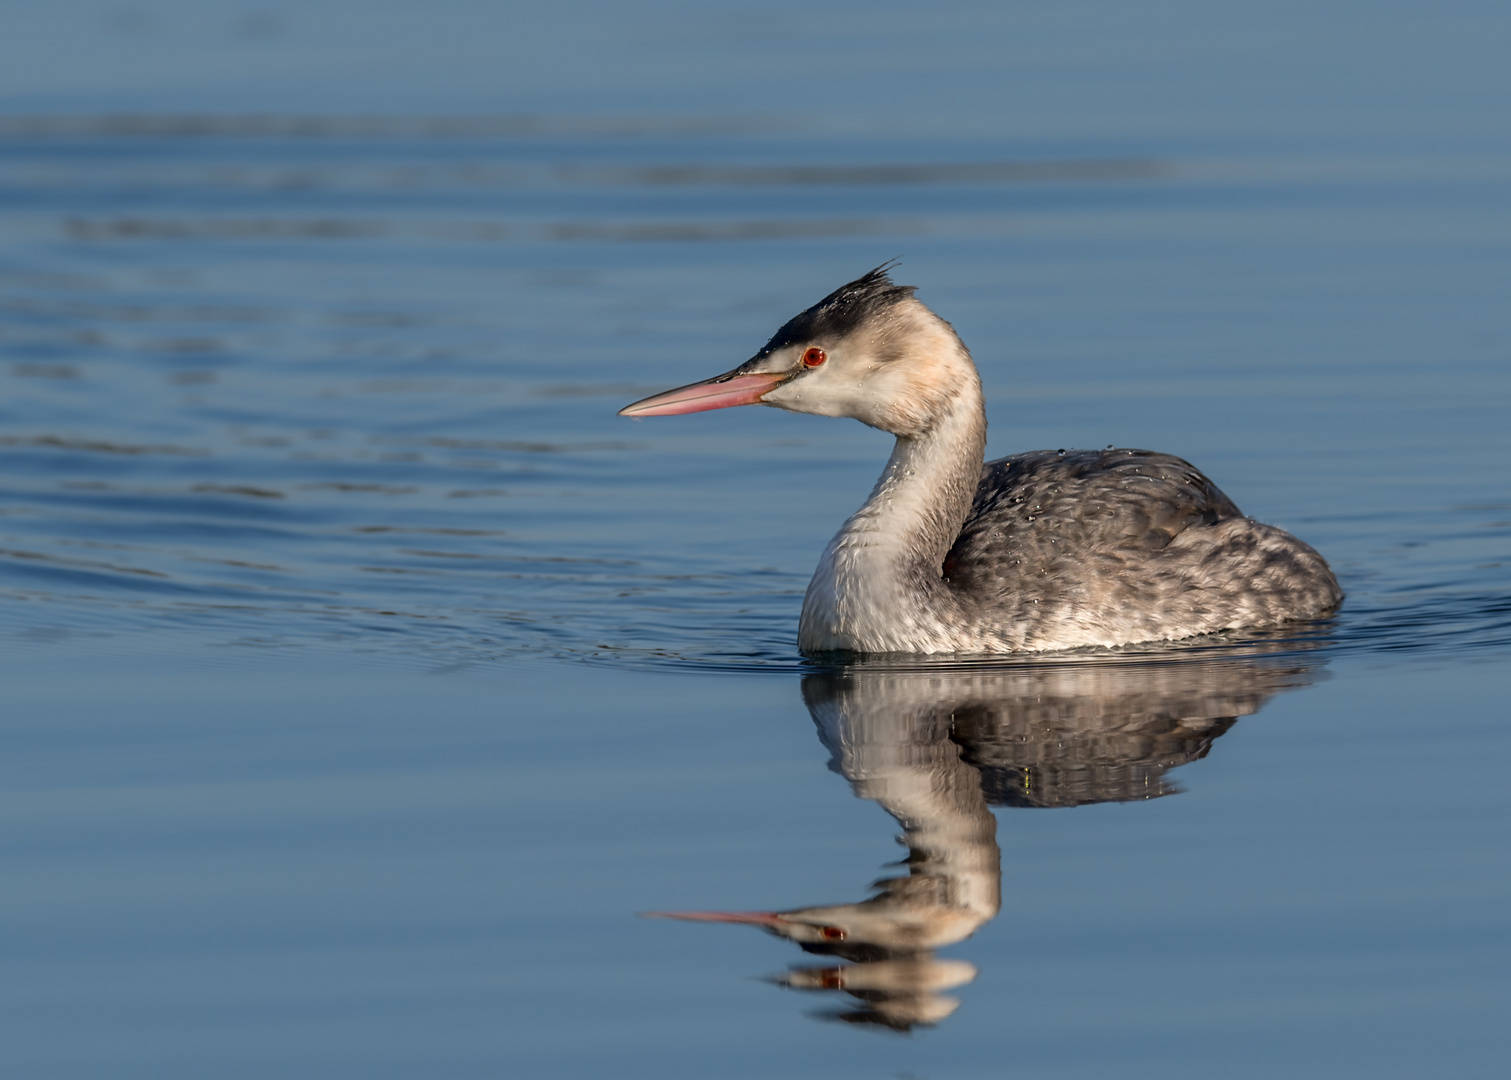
{"points": [[895, 923], [868, 350], [891, 964]]}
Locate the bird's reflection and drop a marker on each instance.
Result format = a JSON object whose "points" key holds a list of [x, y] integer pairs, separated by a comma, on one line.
{"points": [[936, 749]]}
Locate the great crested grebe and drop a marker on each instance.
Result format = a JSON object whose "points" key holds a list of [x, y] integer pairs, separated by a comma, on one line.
{"points": [[1043, 550]]}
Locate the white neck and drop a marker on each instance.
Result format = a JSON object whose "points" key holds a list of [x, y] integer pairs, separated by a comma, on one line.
{"points": [[879, 585], [890, 737]]}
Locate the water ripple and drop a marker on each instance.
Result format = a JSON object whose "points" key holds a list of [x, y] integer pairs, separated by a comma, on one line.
{"points": [[267, 391]]}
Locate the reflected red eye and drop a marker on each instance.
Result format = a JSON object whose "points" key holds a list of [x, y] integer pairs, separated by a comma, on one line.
{"points": [[813, 356], [830, 933]]}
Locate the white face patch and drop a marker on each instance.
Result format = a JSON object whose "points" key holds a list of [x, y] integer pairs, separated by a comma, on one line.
{"points": [[900, 374]]}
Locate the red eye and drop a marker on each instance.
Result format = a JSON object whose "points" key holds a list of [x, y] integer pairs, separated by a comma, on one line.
{"points": [[813, 356], [830, 933]]}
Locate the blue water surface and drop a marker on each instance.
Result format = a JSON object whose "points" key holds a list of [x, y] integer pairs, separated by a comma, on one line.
{"points": [[367, 677]]}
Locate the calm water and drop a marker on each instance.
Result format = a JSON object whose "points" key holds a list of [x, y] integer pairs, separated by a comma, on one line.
{"points": [[366, 676]]}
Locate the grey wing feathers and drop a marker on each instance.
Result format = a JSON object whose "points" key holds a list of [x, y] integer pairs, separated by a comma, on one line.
{"points": [[1124, 543], [1050, 504]]}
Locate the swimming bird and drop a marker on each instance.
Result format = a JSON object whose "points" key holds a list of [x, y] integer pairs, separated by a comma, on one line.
{"points": [[1037, 551]]}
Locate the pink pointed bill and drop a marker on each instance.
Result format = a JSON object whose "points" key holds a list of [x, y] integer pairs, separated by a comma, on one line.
{"points": [[720, 393], [753, 918]]}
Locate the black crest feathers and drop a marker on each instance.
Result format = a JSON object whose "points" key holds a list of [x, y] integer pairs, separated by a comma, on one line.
{"points": [[843, 311]]}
